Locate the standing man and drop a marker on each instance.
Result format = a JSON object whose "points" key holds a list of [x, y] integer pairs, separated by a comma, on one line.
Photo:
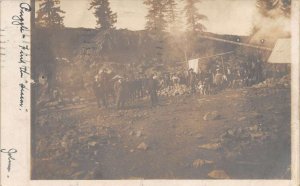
{"points": [[104, 80], [258, 71], [121, 92], [153, 88], [98, 91], [218, 80], [192, 80]]}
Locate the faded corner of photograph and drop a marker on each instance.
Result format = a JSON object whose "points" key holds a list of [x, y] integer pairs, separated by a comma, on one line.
{"points": [[161, 89]]}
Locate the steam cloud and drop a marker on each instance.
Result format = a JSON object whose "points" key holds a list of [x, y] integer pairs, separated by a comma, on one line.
{"points": [[269, 27]]}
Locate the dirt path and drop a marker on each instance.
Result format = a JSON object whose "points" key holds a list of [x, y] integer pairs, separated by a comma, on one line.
{"points": [[162, 142]]}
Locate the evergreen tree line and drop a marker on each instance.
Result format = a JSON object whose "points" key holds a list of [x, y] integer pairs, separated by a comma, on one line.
{"points": [[162, 15]]}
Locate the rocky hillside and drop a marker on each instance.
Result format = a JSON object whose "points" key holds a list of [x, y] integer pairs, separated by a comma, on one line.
{"points": [[124, 46], [75, 54]]}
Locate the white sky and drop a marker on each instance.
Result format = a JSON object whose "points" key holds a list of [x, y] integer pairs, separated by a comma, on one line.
{"points": [[224, 16]]}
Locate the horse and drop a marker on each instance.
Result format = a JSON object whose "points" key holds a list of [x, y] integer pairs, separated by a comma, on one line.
{"points": [[104, 90]]}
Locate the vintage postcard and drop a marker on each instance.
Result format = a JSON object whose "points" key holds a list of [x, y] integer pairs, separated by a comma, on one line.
{"points": [[149, 92]]}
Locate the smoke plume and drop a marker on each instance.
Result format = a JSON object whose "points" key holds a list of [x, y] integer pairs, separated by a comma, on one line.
{"points": [[269, 26]]}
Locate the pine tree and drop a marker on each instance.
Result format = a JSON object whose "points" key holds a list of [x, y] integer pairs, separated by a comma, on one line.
{"points": [[265, 6], [194, 18], [106, 19], [156, 19], [171, 14], [49, 14], [286, 7], [157, 25]]}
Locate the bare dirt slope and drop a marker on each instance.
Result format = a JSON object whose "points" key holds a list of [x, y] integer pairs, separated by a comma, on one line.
{"points": [[238, 134]]}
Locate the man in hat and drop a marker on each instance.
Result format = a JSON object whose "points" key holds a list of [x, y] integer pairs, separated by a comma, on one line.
{"points": [[101, 87], [121, 89], [153, 88], [99, 91], [219, 80], [192, 81]]}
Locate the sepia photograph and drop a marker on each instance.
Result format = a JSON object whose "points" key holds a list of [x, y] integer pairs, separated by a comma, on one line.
{"points": [[161, 89]]}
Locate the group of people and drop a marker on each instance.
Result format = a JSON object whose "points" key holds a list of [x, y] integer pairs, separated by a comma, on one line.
{"points": [[112, 89], [216, 78]]}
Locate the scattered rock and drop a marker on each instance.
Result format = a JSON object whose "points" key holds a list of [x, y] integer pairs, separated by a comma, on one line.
{"points": [[78, 175], [142, 146], [52, 104], [242, 118], [218, 174], [257, 135], [176, 90], [211, 146], [199, 136], [138, 133], [92, 143], [254, 128], [199, 163], [275, 82], [211, 116], [76, 99]]}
